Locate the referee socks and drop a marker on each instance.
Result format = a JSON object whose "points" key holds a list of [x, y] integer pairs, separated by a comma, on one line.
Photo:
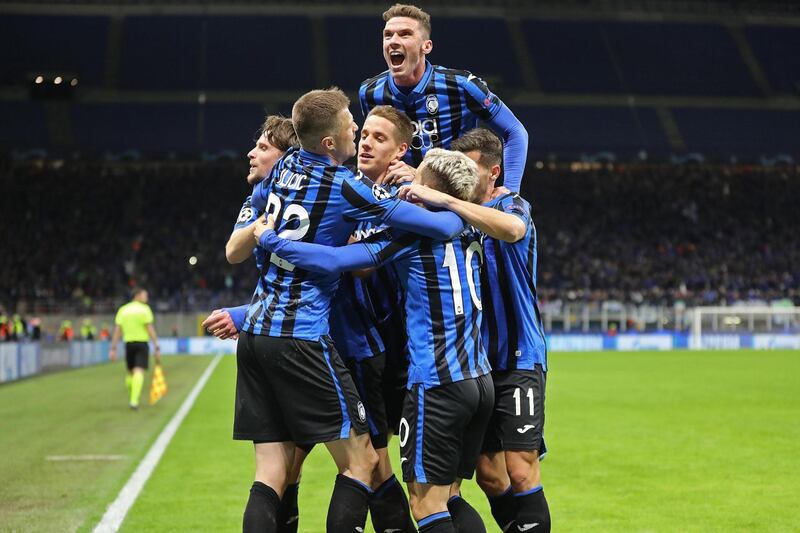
{"points": [[348, 508], [262, 510], [533, 513], [465, 518], [437, 523], [388, 507]]}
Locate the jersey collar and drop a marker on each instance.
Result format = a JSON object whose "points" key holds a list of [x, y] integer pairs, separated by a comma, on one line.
{"points": [[316, 158], [418, 89]]}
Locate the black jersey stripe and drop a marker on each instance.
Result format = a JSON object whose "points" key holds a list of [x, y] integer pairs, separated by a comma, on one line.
{"points": [[489, 315], [433, 290], [355, 200], [512, 326], [396, 245], [453, 105], [299, 275]]}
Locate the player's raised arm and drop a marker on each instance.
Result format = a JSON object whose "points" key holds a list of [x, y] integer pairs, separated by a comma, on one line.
{"points": [[499, 117], [497, 224], [240, 243]]}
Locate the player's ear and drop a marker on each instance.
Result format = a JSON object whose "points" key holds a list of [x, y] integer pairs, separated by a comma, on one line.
{"points": [[401, 151], [328, 143], [496, 171], [427, 46]]}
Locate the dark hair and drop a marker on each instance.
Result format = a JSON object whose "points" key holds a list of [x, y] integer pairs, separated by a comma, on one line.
{"points": [[484, 141], [279, 132]]}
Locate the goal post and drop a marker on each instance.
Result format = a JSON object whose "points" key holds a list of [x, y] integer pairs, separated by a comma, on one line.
{"points": [[742, 320]]}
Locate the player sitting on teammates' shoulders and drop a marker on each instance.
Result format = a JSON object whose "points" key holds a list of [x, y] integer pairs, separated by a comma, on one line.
{"points": [[442, 103]]}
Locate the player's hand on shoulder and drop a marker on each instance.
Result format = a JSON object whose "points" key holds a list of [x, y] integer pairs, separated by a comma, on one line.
{"points": [[499, 191], [399, 173], [417, 193]]}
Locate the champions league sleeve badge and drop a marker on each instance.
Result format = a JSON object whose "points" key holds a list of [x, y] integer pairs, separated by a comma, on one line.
{"points": [[379, 192], [432, 104]]}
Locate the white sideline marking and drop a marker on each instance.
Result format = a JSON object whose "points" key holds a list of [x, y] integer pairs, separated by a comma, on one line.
{"points": [[85, 457], [116, 512]]}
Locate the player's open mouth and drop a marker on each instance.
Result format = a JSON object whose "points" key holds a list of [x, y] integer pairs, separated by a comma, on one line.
{"points": [[396, 58], [364, 157]]}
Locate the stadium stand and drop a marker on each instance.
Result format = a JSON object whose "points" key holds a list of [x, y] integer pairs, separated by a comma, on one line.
{"points": [[776, 49], [655, 233]]}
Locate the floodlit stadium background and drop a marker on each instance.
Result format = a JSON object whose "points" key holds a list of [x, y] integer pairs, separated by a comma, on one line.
{"points": [[662, 170]]}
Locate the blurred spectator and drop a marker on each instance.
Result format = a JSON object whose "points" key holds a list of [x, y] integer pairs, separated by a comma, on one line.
{"points": [[65, 332], [660, 234], [88, 331]]}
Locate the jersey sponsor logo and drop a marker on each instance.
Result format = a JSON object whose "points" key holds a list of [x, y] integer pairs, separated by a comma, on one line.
{"points": [[425, 134], [245, 214], [380, 193], [362, 413], [526, 428], [432, 104], [361, 234]]}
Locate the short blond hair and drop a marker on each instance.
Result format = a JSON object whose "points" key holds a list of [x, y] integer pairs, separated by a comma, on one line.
{"points": [[404, 129], [279, 132], [454, 173], [412, 12], [315, 115]]}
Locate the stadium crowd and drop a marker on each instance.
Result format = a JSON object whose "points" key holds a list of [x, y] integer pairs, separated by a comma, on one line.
{"points": [[79, 233]]}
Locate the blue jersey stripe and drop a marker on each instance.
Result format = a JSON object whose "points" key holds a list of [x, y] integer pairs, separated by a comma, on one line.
{"points": [[419, 469], [345, 431]]}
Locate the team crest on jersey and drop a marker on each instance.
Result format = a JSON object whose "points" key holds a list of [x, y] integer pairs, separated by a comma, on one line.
{"points": [[362, 413], [432, 104], [379, 192]]}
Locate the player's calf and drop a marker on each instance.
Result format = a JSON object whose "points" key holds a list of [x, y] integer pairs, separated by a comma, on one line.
{"points": [[532, 510]]}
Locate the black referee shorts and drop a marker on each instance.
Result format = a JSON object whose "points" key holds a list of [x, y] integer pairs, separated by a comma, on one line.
{"points": [[293, 390], [442, 430], [137, 355]]}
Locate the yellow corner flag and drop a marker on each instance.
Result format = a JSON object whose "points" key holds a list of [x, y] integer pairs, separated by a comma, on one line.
{"points": [[158, 387]]}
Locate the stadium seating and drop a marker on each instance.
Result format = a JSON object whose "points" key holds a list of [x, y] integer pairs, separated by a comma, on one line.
{"points": [[570, 57], [777, 51], [576, 130], [739, 132], [33, 44], [23, 125]]}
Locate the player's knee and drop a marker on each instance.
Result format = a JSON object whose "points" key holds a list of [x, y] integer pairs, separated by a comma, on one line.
{"points": [[490, 480], [523, 471]]}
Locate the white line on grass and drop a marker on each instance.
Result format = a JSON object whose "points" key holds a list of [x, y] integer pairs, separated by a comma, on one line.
{"points": [[85, 457], [116, 512]]}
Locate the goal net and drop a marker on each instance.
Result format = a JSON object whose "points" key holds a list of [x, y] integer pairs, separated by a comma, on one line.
{"points": [[711, 325]]}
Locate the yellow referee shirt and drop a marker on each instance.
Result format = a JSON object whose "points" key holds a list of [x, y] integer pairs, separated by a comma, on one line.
{"points": [[133, 318]]}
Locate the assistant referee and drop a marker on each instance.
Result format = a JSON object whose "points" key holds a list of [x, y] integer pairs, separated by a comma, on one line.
{"points": [[135, 321]]}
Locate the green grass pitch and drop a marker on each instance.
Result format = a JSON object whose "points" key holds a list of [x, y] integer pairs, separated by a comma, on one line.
{"points": [[674, 441]]}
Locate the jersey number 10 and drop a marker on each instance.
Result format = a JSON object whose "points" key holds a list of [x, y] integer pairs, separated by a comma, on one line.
{"points": [[451, 264]]}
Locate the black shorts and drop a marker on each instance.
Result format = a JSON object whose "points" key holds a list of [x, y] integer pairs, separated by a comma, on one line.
{"points": [[517, 422], [137, 355], [293, 390], [368, 376], [442, 430]]}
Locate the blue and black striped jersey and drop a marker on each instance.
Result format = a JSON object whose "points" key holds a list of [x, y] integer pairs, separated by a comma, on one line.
{"points": [[247, 215], [312, 200], [512, 327], [445, 104], [441, 280], [353, 325]]}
